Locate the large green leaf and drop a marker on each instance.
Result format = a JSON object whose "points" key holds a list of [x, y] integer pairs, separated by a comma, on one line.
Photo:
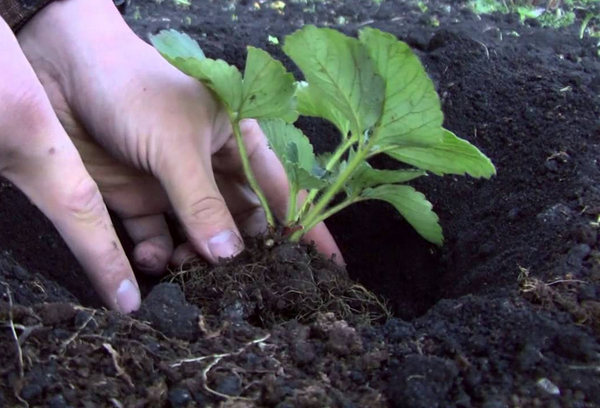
{"points": [[173, 44], [452, 155], [411, 113], [295, 153], [343, 72], [268, 89], [413, 206], [312, 103]]}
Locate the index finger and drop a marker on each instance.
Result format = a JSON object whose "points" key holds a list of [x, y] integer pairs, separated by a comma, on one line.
{"points": [[40, 159]]}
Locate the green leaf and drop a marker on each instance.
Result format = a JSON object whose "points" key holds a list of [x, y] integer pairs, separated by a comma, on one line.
{"points": [[412, 115], [173, 44], [343, 72], [185, 54], [312, 103], [452, 155], [413, 206], [366, 176], [268, 89], [295, 152], [223, 79]]}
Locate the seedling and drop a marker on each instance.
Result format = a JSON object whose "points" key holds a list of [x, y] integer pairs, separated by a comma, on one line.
{"points": [[373, 89]]}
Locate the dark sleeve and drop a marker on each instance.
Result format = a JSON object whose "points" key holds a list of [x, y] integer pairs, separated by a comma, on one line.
{"points": [[17, 12]]}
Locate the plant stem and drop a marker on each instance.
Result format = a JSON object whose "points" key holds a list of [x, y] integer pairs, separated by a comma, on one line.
{"points": [[292, 204], [333, 210], [250, 174], [315, 212], [584, 24], [335, 158]]}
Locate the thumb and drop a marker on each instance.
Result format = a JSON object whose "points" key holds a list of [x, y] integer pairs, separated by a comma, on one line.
{"points": [[190, 184]]}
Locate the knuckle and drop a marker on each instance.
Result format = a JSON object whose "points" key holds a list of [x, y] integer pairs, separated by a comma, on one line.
{"points": [[22, 104], [85, 202], [23, 120], [206, 209]]}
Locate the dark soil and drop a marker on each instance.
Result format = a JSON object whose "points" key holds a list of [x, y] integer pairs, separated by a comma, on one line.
{"points": [[506, 314]]}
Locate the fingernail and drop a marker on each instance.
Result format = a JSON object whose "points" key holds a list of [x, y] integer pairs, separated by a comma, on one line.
{"points": [[225, 245], [128, 297]]}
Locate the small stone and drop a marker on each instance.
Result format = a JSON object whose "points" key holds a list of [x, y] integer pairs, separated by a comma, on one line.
{"points": [[585, 234], [514, 214], [575, 346], [357, 376], [303, 352], [558, 214], [166, 308], [230, 385], [343, 339], [58, 401], [577, 254], [548, 386], [31, 392], [494, 403], [61, 334], [551, 165], [528, 357], [179, 397], [587, 292], [398, 330]]}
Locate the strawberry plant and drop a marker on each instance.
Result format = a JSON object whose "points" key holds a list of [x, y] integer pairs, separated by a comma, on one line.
{"points": [[372, 88]]}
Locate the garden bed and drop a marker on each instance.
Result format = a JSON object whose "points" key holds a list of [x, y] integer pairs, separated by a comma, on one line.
{"points": [[506, 313]]}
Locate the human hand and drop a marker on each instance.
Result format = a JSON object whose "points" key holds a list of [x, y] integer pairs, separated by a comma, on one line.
{"points": [[37, 155], [152, 138]]}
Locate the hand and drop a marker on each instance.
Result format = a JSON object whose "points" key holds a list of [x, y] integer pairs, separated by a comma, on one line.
{"points": [[152, 138], [39, 158]]}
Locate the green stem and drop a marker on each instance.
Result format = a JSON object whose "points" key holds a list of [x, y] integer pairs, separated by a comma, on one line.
{"points": [[584, 24], [250, 174], [333, 210], [337, 155], [329, 195], [292, 205]]}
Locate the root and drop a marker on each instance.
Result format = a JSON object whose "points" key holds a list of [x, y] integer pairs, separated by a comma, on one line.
{"points": [[216, 358], [20, 364], [559, 294], [68, 341], [115, 358]]}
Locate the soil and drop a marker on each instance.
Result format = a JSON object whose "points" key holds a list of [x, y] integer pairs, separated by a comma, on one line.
{"points": [[506, 314]]}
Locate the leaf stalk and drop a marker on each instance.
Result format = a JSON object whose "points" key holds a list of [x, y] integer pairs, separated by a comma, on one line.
{"points": [[330, 194], [335, 158], [250, 174]]}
